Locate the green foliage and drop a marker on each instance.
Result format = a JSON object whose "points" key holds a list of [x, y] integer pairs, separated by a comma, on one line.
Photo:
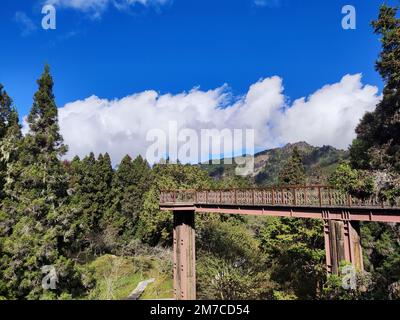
{"points": [[10, 135], [295, 250], [340, 287], [377, 147], [36, 190], [356, 182], [44, 133], [230, 263], [117, 276], [66, 214], [130, 184], [233, 182], [378, 135], [295, 247], [293, 171], [90, 196], [381, 245], [319, 162], [155, 226]]}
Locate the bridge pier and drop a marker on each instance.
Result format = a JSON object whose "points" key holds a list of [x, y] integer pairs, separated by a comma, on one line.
{"points": [[342, 243], [184, 255]]}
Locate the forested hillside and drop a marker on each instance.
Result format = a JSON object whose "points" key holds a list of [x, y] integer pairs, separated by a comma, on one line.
{"points": [[319, 163]]}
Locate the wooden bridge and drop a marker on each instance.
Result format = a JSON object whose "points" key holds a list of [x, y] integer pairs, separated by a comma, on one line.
{"points": [[340, 212]]}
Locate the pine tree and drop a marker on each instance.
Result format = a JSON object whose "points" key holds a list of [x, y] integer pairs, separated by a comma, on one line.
{"points": [[78, 226], [10, 136], [142, 181], [104, 177], [91, 207], [377, 145], [5, 111], [38, 197], [120, 219], [293, 172], [375, 158], [90, 184]]}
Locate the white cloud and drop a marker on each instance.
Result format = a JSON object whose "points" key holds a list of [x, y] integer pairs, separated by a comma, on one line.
{"points": [[97, 7], [267, 3], [26, 24], [119, 127], [330, 115]]}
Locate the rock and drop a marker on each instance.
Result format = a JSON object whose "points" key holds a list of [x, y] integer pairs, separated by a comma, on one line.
{"points": [[135, 295]]}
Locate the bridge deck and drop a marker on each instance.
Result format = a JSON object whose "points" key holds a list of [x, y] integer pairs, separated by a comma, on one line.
{"points": [[318, 202]]}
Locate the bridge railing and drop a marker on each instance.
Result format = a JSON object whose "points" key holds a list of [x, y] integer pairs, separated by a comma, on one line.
{"points": [[308, 196]]}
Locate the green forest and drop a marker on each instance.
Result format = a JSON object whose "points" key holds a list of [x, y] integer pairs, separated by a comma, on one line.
{"points": [[100, 226]]}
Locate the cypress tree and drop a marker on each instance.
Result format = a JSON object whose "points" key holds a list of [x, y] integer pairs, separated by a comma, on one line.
{"points": [[5, 111], [90, 183], [142, 181], [293, 171], [118, 220], [10, 136], [131, 181], [86, 204], [78, 225], [375, 161], [104, 177], [377, 145], [37, 196]]}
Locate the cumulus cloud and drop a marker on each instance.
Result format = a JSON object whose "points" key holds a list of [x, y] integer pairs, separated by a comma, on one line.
{"points": [[120, 126], [97, 7], [330, 115]]}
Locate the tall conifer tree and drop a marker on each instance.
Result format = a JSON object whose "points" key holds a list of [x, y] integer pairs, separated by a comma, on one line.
{"points": [[10, 136], [377, 148], [38, 195], [377, 145], [293, 172]]}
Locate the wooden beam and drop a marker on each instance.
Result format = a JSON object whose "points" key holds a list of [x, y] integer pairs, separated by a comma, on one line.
{"points": [[184, 255], [342, 243]]}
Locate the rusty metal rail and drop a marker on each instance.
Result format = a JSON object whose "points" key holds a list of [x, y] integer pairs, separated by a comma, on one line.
{"points": [[299, 196]]}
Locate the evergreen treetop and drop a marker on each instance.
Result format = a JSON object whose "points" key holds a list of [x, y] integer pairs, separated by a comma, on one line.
{"points": [[43, 118], [293, 172]]}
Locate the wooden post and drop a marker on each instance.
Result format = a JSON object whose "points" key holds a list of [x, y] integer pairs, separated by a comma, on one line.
{"points": [[342, 243], [319, 196], [329, 196], [328, 247], [184, 256], [294, 197], [355, 245], [305, 196]]}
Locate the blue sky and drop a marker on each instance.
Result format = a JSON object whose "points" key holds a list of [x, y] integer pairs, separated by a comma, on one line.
{"points": [[187, 43], [176, 46]]}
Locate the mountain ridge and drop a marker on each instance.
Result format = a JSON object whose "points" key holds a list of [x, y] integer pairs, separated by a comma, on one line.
{"points": [[319, 163]]}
